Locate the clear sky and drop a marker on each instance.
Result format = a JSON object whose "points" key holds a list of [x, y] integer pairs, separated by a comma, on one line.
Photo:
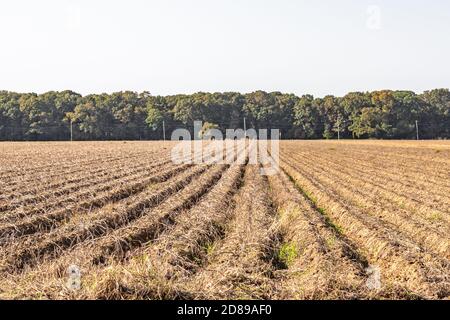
{"points": [[184, 46]]}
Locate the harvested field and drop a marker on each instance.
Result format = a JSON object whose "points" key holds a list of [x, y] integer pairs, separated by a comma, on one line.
{"points": [[121, 220]]}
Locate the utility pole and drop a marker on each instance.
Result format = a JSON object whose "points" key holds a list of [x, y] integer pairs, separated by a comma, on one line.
{"points": [[164, 130], [417, 129], [71, 130], [339, 130], [245, 126]]}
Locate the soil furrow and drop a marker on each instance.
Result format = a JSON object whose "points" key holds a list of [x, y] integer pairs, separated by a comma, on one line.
{"points": [[403, 263]]}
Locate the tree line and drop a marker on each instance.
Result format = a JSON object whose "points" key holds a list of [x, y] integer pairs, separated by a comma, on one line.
{"points": [[141, 116]]}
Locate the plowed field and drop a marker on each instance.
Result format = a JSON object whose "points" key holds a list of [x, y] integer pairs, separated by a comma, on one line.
{"points": [[120, 220]]}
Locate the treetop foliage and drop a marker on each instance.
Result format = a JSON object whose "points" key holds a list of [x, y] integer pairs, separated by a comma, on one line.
{"points": [[129, 115]]}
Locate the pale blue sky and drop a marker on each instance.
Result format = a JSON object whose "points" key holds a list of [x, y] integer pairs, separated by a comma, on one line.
{"points": [[174, 46]]}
